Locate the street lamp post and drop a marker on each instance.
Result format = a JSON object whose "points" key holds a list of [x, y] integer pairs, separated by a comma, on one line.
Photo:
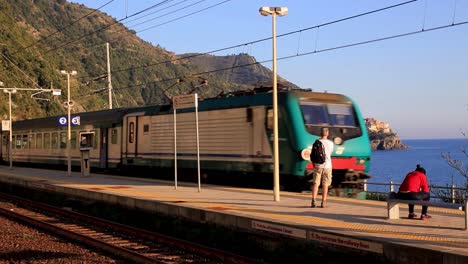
{"points": [[69, 105], [10, 156], [274, 11], [9, 91]]}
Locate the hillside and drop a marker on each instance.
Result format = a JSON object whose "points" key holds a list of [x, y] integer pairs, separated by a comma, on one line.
{"points": [[251, 75], [41, 37]]}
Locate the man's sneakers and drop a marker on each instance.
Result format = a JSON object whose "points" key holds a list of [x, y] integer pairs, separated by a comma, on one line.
{"points": [[425, 216], [412, 216], [313, 205]]}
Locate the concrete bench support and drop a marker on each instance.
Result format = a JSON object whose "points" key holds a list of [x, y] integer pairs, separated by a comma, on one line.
{"points": [[393, 207]]}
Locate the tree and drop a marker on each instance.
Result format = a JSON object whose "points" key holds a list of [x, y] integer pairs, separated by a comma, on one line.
{"points": [[458, 164]]}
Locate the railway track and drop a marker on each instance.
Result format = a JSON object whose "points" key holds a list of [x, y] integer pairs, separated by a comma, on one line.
{"points": [[135, 245]]}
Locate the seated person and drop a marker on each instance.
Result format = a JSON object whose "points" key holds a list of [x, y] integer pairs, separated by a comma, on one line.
{"points": [[415, 187]]}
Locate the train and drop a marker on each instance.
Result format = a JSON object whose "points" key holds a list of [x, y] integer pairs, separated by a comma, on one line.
{"points": [[226, 139]]}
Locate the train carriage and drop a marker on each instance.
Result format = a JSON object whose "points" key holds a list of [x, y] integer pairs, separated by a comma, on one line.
{"points": [[235, 134]]}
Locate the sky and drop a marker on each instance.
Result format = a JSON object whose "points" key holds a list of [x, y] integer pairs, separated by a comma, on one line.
{"points": [[405, 65]]}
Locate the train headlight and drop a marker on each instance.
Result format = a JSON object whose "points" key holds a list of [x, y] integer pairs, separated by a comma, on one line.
{"points": [[338, 141], [305, 154]]}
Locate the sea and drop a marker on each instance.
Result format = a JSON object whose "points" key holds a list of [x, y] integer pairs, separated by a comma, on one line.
{"points": [[393, 165]]}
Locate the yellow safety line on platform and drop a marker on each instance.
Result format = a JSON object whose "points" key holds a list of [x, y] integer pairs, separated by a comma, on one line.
{"points": [[263, 213]]}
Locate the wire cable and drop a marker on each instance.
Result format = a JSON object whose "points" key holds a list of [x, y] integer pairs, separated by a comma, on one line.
{"points": [[106, 27], [304, 54], [61, 29], [264, 39]]}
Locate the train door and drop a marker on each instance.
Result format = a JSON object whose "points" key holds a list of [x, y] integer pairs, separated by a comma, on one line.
{"points": [[103, 148], [131, 137], [2, 144]]}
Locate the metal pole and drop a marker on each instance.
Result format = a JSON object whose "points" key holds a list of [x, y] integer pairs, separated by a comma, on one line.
{"points": [[175, 148], [453, 193], [276, 181], [11, 133], [198, 142], [69, 126], [109, 79]]}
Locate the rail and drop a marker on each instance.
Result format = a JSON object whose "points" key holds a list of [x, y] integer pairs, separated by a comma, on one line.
{"points": [[449, 193]]}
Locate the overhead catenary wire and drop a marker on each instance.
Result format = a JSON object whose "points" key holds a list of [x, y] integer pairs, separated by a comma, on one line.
{"points": [[20, 49], [61, 29], [24, 73], [306, 53], [157, 11], [454, 10], [187, 15], [167, 22], [263, 39], [105, 27], [424, 14]]}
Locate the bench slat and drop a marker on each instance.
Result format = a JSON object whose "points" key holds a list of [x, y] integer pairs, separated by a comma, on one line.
{"points": [[393, 207], [426, 203]]}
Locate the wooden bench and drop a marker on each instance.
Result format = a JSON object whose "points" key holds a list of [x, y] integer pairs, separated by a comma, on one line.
{"points": [[393, 207]]}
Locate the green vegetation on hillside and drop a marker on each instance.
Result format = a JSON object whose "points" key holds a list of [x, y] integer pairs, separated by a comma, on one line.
{"points": [[41, 37]]}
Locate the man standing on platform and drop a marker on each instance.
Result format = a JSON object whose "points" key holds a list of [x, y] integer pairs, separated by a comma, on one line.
{"points": [[323, 172]]}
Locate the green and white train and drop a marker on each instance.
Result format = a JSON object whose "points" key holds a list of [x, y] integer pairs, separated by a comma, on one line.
{"points": [[235, 136]]}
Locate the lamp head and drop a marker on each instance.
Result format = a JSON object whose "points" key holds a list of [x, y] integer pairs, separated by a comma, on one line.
{"points": [[9, 91], [281, 11], [1, 84], [266, 10], [71, 72]]}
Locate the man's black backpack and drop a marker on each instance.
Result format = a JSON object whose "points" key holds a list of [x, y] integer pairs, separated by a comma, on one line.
{"points": [[317, 155]]}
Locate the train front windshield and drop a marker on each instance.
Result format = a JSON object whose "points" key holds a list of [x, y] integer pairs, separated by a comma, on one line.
{"points": [[339, 118], [316, 114]]}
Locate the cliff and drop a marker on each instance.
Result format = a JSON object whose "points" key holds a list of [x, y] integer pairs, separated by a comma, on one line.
{"points": [[382, 137]]}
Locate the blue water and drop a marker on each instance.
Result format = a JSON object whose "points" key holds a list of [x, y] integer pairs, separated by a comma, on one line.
{"points": [[393, 165]]}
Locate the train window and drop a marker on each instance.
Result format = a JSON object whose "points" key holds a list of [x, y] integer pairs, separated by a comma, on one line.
{"points": [[315, 114], [342, 115], [46, 140], [63, 140], [73, 140], [24, 142], [145, 129], [131, 133], [32, 141], [13, 140], [39, 141], [18, 142], [5, 140], [95, 139], [54, 140], [114, 136]]}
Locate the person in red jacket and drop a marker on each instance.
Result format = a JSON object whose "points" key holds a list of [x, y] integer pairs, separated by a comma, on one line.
{"points": [[415, 187]]}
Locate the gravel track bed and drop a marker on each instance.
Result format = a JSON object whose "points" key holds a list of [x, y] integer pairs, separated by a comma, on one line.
{"points": [[23, 244]]}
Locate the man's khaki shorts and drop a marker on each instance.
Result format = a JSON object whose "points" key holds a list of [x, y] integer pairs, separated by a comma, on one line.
{"points": [[322, 175]]}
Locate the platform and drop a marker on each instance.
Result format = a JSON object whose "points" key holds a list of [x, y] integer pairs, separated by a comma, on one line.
{"points": [[348, 223]]}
